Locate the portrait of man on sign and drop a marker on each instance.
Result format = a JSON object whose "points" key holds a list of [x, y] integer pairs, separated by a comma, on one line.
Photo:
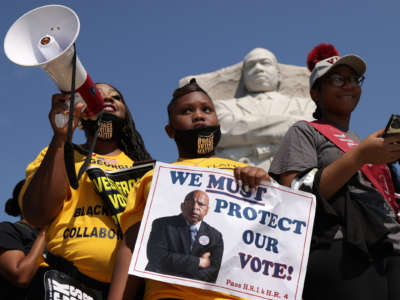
{"points": [[184, 245]]}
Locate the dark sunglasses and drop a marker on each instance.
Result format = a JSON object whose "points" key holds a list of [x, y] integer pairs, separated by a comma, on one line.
{"points": [[339, 80]]}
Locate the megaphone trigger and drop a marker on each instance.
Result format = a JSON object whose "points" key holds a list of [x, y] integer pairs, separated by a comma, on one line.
{"points": [[60, 120], [79, 99]]}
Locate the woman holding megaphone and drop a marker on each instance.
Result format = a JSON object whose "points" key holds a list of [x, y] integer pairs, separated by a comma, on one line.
{"points": [[83, 232]]}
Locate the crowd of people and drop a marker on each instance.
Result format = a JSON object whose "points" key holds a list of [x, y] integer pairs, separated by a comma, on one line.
{"points": [[76, 235]]}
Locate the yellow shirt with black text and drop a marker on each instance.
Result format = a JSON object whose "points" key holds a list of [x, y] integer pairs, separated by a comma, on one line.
{"points": [[134, 213], [84, 232]]}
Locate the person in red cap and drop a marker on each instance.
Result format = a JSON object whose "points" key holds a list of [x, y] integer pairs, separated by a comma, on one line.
{"points": [[356, 236]]}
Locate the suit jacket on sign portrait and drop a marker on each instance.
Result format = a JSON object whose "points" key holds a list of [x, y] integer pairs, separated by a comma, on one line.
{"points": [[168, 249]]}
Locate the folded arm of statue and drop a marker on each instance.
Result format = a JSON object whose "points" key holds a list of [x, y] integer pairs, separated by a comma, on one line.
{"points": [[249, 120]]}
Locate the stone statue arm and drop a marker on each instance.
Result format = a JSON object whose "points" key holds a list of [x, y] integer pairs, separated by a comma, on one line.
{"points": [[245, 121]]}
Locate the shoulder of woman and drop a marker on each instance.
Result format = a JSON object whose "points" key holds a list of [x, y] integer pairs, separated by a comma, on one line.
{"points": [[299, 128]]}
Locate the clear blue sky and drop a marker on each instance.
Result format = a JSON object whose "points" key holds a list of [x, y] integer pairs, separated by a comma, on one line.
{"points": [[145, 47]]}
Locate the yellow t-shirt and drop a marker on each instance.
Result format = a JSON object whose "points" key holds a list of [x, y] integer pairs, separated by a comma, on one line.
{"points": [[83, 232], [134, 213]]}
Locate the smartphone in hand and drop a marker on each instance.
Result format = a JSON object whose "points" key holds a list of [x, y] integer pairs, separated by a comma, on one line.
{"points": [[393, 126]]}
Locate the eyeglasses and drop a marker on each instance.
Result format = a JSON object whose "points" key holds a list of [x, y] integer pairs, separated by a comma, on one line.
{"points": [[339, 80]]}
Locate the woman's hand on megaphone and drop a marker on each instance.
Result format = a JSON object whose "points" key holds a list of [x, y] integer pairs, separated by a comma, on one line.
{"points": [[60, 107]]}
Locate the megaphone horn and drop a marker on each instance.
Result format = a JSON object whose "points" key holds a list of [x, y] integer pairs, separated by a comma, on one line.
{"points": [[45, 37]]}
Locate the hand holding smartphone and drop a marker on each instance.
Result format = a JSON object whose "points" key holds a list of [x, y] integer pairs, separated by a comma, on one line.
{"points": [[393, 126]]}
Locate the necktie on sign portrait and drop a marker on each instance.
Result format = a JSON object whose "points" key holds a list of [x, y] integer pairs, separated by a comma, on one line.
{"points": [[193, 233]]}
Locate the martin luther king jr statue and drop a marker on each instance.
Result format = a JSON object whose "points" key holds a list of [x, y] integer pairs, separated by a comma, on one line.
{"points": [[256, 102]]}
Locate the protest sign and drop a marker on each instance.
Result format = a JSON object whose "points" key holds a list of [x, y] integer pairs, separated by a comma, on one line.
{"points": [[256, 242]]}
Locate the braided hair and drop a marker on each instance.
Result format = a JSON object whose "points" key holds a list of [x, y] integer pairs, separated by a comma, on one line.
{"points": [[317, 114]]}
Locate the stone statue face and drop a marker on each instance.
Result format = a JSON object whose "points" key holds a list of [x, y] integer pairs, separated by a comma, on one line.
{"points": [[260, 71]]}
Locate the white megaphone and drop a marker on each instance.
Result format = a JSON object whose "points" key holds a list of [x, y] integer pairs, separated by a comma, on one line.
{"points": [[45, 37]]}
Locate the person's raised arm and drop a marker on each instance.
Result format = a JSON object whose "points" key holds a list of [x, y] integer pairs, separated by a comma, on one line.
{"points": [[49, 186], [374, 149], [18, 268]]}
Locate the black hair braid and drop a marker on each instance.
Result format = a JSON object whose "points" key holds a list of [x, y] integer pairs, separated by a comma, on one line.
{"points": [[131, 141], [317, 114], [133, 146]]}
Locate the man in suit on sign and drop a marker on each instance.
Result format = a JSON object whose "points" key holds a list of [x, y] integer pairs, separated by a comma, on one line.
{"points": [[184, 245]]}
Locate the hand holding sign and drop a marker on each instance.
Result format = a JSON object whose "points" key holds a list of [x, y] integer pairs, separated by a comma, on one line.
{"points": [[252, 244]]}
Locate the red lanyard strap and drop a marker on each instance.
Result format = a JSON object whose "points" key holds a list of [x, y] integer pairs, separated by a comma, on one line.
{"points": [[378, 175]]}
